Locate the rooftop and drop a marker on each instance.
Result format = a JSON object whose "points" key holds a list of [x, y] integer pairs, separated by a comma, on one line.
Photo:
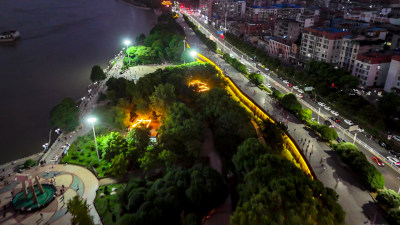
{"points": [[374, 58]]}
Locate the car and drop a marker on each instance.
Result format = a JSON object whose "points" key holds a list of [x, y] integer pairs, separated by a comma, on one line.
{"points": [[300, 91], [285, 81], [299, 95], [290, 85], [349, 122], [321, 104], [382, 144], [262, 66], [360, 129], [328, 123], [334, 113], [336, 120], [393, 161], [395, 153], [269, 86], [327, 108], [377, 161], [396, 137], [295, 88]]}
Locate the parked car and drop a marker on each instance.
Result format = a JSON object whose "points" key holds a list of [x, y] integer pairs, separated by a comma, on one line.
{"points": [[396, 137], [393, 161], [269, 86], [349, 122], [327, 108], [299, 95], [360, 129], [384, 145], [300, 91], [328, 123], [321, 104], [334, 113], [393, 152], [336, 120], [377, 161], [290, 85], [295, 88], [285, 81]]}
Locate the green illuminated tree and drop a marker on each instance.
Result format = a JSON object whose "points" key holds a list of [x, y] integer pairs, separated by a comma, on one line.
{"points": [[112, 145], [79, 210]]}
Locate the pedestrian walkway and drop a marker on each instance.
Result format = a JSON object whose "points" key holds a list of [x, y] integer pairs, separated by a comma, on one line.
{"points": [[70, 180]]}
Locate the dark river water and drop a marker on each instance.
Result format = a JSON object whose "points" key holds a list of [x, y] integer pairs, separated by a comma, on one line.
{"points": [[61, 41]]}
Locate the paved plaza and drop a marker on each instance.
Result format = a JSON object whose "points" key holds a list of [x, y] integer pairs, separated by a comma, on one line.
{"points": [[76, 181]]}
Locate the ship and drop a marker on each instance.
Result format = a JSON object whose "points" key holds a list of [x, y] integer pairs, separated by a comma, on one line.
{"points": [[9, 36]]}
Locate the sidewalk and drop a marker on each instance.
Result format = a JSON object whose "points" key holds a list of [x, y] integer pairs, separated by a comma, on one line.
{"points": [[355, 200]]}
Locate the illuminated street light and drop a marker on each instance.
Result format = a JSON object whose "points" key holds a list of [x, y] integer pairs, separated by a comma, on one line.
{"points": [[127, 42], [92, 120], [193, 53]]}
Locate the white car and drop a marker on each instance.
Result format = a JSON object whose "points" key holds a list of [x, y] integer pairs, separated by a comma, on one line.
{"points": [[360, 129], [393, 161], [396, 137], [268, 86], [321, 104], [327, 108], [349, 122], [285, 81], [300, 91], [334, 113], [296, 88]]}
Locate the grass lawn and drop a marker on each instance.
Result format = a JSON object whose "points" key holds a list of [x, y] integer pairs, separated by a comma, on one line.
{"points": [[83, 152], [108, 206]]}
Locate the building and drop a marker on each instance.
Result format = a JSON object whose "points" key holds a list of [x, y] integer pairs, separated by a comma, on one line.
{"points": [[230, 9], [372, 68], [322, 44], [280, 48], [393, 77], [287, 29], [257, 14], [306, 20], [355, 45]]}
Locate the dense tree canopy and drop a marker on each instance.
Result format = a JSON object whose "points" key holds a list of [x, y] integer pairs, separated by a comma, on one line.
{"points": [[97, 74], [79, 210], [65, 115]]}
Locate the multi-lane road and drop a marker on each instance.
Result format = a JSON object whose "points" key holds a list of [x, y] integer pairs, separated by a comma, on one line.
{"points": [[366, 145]]}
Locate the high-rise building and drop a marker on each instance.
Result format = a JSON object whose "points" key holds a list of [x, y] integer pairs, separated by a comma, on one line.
{"points": [[287, 29], [372, 68], [322, 44], [393, 78]]}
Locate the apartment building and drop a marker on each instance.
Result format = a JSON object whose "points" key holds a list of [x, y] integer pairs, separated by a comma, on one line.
{"points": [[287, 29], [322, 44], [393, 78], [372, 68], [258, 14], [230, 9], [279, 48], [355, 45]]}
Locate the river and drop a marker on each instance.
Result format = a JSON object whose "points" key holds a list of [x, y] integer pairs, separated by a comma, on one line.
{"points": [[61, 41]]}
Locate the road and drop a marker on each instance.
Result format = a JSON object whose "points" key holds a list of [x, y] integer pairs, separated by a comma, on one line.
{"points": [[368, 146], [355, 200]]}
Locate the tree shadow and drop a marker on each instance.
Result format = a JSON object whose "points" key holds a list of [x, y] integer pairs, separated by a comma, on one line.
{"points": [[345, 174], [310, 132], [374, 213]]}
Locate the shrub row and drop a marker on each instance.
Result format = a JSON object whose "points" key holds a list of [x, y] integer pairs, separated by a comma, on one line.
{"points": [[389, 200], [235, 63], [355, 159], [208, 42]]}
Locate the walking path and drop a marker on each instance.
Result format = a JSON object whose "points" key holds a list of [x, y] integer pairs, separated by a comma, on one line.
{"points": [[355, 200], [76, 180]]}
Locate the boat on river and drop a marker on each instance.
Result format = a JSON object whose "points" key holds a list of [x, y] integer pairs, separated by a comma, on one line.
{"points": [[9, 36]]}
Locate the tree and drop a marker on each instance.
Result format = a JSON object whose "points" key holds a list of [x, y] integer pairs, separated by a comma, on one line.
{"points": [[29, 163], [256, 78], [162, 97], [305, 114], [140, 39], [119, 166], [247, 155], [289, 101], [112, 145], [97, 74], [65, 115], [327, 133], [138, 139], [79, 210]]}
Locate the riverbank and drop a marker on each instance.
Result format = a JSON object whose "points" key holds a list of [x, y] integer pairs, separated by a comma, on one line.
{"points": [[137, 4]]}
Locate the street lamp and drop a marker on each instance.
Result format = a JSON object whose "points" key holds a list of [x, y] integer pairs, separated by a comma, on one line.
{"points": [[193, 53], [355, 135], [184, 49], [92, 120], [319, 110], [127, 43]]}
